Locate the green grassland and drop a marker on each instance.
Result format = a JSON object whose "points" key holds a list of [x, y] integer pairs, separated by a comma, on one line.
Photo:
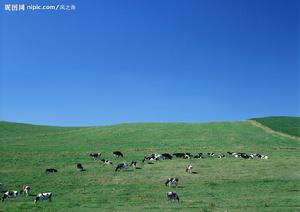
{"points": [[228, 184], [288, 125]]}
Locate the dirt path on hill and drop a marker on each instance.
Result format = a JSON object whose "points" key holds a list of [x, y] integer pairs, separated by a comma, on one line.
{"points": [[269, 130]]}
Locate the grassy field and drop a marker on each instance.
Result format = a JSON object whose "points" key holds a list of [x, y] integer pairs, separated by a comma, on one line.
{"points": [[228, 184], [288, 125]]}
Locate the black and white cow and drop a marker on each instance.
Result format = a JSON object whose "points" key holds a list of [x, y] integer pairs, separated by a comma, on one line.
{"points": [[211, 154], [199, 156], [9, 194], [188, 155], [172, 196], [264, 157], [118, 154], [260, 156], [221, 156], [166, 156], [189, 169], [183, 155], [235, 154], [179, 155], [172, 182], [95, 155], [25, 190], [51, 170], [133, 164], [107, 162], [122, 166], [152, 157], [245, 156], [43, 196]]}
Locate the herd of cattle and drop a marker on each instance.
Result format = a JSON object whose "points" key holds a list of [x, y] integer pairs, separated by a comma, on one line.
{"points": [[171, 182]]}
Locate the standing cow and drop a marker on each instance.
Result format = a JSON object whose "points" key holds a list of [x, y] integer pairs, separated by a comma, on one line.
{"points": [[43, 196], [9, 194]]}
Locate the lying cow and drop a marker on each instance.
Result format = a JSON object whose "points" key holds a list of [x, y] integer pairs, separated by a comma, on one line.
{"points": [[25, 190], [172, 196], [152, 157], [183, 155], [118, 154], [107, 162], [122, 166], [95, 155], [51, 170], [221, 156], [199, 156], [80, 167], [211, 154], [260, 156], [43, 196], [166, 156], [9, 194], [171, 182]]}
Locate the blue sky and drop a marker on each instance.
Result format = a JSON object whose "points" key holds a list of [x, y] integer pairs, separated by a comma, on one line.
{"points": [[115, 61]]}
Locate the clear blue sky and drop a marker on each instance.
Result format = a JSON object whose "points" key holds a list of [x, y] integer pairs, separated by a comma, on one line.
{"points": [[115, 61]]}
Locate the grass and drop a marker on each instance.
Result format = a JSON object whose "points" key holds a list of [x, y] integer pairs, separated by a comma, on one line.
{"points": [[228, 184], [284, 124]]}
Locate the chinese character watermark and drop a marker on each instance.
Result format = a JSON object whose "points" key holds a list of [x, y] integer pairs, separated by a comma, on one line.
{"points": [[34, 7]]}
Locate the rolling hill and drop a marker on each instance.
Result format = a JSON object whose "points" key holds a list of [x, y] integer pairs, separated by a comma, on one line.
{"points": [[228, 184]]}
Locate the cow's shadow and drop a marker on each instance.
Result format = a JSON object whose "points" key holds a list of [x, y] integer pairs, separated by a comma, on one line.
{"points": [[194, 172]]}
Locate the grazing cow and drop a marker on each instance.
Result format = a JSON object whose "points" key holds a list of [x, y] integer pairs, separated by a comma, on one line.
{"points": [[133, 164], [199, 156], [51, 170], [9, 194], [25, 190], [172, 196], [43, 196], [189, 169], [95, 155], [80, 167], [107, 162], [121, 166], [118, 154], [172, 182], [211, 154], [166, 156]]}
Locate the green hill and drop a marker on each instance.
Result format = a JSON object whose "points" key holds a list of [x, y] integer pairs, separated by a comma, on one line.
{"points": [[228, 184], [284, 124]]}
